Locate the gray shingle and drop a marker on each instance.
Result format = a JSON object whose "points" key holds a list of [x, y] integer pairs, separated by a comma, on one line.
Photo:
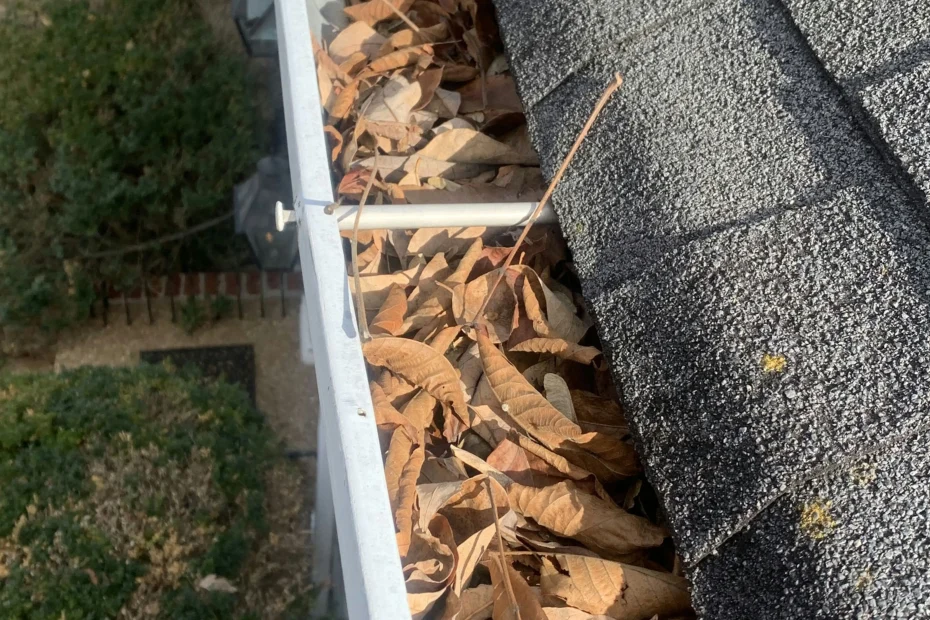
{"points": [[879, 53], [568, 33], [874, 563], [729, 205]]}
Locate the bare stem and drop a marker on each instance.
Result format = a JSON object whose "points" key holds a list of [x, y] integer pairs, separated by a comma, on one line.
{"points": [[611, 89], [502, 558], [359, 298]]}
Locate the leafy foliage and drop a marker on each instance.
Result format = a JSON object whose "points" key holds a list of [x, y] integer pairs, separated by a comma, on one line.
{"points": [[124, 488], [121, 121]]}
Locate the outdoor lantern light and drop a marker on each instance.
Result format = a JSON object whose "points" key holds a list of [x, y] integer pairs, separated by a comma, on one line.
{"points": [[256, 23], [254, 202]]}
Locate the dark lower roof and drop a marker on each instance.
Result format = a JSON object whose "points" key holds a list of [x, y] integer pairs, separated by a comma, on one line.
{"points": [[758, 187]]}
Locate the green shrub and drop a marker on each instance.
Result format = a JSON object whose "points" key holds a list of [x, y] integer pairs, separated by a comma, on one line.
{"points": [[124, 489], [121, 121]]}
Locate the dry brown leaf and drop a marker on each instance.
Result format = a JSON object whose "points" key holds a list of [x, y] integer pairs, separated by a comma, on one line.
{"points": [[450, 241], [500, 90], [334, 142], [394, 101], [528, 607], [374, 11], [433, 496], [387, 417], [394, 167], [599, 414], [523, 467], [618, 590], [480, 465], [559, 348], [429, 566], [536, 374], [397, 59], [558, 394], [420, 410], [583, 479], [444, 339], [552, 315], [472, 604], [375, 288], [570, 613], [602, 455], [355, 38], [467, 146], [441, 299], [344, 102], [470, 553], [436, 270], [452, 72], [421, 365], [445, 103], [566, 511], [436, 470], [354, 63], [469, 509], [518, 139], [470, 371], [402, 485], [407, 37], [487, 423], [390, 317], [499, 316]]}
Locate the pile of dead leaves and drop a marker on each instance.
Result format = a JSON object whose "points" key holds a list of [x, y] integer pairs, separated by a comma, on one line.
{"points": [[515, 490], [425, 86]]}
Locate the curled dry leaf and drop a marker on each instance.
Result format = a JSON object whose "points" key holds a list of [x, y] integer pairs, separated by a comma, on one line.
{"points": [[375, 288], [558, 394], [481, 466], [441, 299], [599, 454], [420, 365], [419, 411], [407, 37], [401, 470], [559, 348], [523, 604], [468, 146], [499, 315], [618, 590], [344, 102], [397, 59], [374, 11], [355, 38], [566, 511], [390, 317], [583, 479], [429, 566], [500, 91], [521, 466], [552, 315]]}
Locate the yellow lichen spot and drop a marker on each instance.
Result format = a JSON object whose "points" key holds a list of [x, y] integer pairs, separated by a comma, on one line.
{"points": [[773, 363], [864, 580], [863, 475], [816, 520]]}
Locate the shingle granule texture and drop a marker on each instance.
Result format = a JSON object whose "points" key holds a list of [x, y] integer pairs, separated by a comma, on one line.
{"points": [[730, 208], [879, 53]]}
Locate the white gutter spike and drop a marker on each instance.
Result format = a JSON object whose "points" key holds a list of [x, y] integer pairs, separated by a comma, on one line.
{"points": [[347, 437], [490, 214]]}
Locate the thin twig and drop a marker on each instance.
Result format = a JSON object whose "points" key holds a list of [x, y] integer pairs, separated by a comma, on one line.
{"points": [[406, 19], [611, 89], [138, 247], [502, 559], [359, 298]]}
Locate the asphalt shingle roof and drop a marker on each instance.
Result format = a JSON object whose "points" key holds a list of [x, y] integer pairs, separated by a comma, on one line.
{"points": [[745, 194]]}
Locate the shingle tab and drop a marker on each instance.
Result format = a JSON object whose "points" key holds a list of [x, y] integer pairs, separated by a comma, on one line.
{"points": [[879, 53]]}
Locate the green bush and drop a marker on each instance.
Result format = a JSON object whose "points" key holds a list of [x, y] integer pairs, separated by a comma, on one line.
{"points": [[121, 121], [124, 489]]}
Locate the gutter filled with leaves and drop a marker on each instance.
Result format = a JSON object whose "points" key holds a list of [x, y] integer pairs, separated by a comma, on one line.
{"points": [[515, 489]]}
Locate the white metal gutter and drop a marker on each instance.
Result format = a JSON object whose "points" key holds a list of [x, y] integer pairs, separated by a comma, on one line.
{"points": [[351, 495]]}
